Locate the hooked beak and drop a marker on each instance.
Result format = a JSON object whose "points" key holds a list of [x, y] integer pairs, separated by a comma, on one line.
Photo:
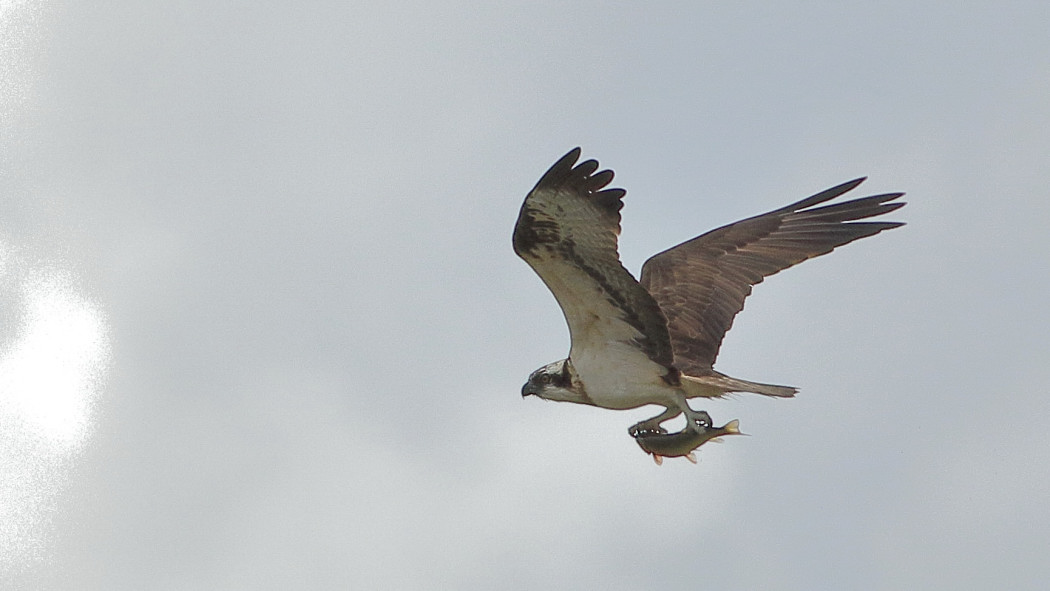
{"points": [[528, 390]]}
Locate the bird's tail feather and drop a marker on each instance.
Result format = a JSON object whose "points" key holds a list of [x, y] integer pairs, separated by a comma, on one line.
{"points": [[717, 385]]}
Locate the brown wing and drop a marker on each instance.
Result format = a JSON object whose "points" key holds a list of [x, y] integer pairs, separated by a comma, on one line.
{"points": [[567, 232], [701, 284]]}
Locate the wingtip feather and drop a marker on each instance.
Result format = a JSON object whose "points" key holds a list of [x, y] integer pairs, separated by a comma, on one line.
{"points": [[825, 195]]}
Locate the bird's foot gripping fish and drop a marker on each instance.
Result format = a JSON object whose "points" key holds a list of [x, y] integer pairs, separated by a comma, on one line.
{"points": [[661, 444]]}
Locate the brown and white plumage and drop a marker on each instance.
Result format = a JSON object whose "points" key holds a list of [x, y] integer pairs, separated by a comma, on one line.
{"points": [[655, 341], [701, 284]]}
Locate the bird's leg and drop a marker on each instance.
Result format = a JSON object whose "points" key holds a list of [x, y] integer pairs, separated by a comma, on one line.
{"points": [[652, 426], [694, 419], [698, 418]]}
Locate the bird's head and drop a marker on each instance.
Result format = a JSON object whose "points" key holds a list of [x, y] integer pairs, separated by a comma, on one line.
{"points": [[555, 381]]}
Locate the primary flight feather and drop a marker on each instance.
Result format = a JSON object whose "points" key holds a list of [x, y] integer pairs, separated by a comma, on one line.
{"points": [[655, 341]]}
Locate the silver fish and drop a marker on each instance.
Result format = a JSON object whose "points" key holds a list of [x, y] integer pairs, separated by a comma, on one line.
{"points": [[682, 444]]}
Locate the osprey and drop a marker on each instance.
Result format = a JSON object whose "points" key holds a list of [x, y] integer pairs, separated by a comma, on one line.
{"points": [[655, 340]]}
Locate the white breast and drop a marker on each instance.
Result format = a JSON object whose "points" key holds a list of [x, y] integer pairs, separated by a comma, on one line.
{"points": [[619, 376]]}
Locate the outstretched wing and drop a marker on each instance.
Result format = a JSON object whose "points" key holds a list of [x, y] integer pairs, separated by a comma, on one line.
{"points": [[567, 232], [701, 284]]}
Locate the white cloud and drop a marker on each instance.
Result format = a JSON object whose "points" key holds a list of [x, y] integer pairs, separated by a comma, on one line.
{"points": [[51, 372]]}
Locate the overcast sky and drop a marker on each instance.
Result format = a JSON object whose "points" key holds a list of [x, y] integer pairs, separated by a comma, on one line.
{"points": [[261, 326]]}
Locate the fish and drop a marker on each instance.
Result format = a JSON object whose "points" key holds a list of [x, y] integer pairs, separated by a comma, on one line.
{"points": [[682, 444]]}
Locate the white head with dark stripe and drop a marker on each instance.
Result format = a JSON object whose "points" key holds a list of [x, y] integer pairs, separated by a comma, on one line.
{"points": [[555, 381]]}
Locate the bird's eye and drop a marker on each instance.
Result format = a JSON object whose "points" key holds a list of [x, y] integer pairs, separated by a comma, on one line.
{"points": [[543, 378]]}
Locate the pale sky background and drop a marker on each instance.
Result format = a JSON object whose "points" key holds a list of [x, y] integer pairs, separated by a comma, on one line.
{"points": [[261, 326]]}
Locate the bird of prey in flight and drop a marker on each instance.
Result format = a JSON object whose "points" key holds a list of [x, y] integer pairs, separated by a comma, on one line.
{"points": [[655, 340]]}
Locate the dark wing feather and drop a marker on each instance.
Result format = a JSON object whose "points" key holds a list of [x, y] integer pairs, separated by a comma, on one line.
{"points": [[567, 232], [701, 284]]}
